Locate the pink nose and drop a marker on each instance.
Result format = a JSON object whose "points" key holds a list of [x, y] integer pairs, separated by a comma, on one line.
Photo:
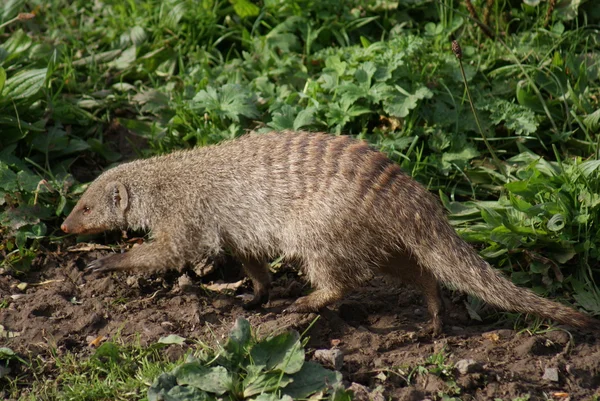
{"points": [[64, 228]]}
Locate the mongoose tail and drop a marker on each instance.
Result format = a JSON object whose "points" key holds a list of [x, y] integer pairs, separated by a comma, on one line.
{"points": [[465, 270]]}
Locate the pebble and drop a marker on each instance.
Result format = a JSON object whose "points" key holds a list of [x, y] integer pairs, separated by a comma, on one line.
{"points": [[332, 357], [465, 366], [551, 374]]}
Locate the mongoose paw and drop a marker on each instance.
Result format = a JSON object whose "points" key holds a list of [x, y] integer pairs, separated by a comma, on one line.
{"points": [[256, 302], [299, 307], [102, 265]]}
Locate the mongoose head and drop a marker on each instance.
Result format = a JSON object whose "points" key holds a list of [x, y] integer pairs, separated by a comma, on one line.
{"points": [[102, 207]]}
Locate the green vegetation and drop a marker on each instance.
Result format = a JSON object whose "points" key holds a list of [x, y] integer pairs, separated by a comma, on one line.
{"points": [[243, 368], [269, 370]]}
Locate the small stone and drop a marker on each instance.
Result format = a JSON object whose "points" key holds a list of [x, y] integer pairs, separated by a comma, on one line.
{"points": [[184, 281], [331, 357], [132, 282], [22, 286], [465, 366], [550, 374]]}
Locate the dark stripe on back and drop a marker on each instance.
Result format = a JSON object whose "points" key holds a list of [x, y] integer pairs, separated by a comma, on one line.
{"points": [[335, 150], [375, 166], [299, 156], [316, 160]]}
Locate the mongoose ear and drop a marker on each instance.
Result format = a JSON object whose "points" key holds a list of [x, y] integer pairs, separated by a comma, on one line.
{"points": [[120, 196]]}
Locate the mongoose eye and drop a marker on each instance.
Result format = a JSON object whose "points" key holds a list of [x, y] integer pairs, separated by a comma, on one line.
{"points": [[86, 210]]}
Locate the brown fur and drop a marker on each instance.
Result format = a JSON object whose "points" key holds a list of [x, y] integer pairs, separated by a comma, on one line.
{"points": [[341, 208]]}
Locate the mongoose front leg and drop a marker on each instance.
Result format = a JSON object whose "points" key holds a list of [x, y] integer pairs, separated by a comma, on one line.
{"points": [[149, 256], [258, 272]]}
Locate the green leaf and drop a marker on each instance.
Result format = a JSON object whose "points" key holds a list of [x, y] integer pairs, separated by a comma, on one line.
{"points": [[8, 178], [25, 83], [6, 353], [10, 9], [283, 352], [229, 101], [108, 351], [186, 393], [592, 120], [271, 397], [2, 78], [401, 105], [304, 118], [515, 117], [29, 182], [244, 8], [589, 166], [310, 379], [162, 384], [214, 380], [172, 339], [261, 382], [138, 35]]}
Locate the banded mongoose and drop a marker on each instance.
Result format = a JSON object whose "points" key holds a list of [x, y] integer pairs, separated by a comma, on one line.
{"points": [[340, 207]]}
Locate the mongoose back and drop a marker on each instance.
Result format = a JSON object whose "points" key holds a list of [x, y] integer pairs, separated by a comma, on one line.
{"points": [[341, 208]]}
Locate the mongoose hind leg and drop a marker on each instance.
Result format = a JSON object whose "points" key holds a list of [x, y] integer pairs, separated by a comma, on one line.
{"points": [[407, 270], [433, 298], [258, 271], [323, 274], [315, 301]]}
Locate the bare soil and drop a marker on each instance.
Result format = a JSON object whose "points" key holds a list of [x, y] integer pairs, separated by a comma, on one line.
{"points": [[382, 329]]}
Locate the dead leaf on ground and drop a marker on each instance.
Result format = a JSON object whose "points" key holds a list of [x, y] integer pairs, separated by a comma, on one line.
{"points": [[222, 287]]}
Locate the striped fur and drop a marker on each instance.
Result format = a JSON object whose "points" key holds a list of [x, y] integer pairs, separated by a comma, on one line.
{"points": [[342, 209]]}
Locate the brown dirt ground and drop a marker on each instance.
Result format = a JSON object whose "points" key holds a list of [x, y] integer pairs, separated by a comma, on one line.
{"points": [[382, 329]]}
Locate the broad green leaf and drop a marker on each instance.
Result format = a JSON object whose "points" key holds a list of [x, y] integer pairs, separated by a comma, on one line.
{"points": [[365, 73], [229, 101], [162, 384], [10, 9], [8, 178], [283, 352], [283, 119], [244, 8], [214, 380], [310, 379], [592, 120], [28, 182], [240, 333], [271, 397], [401, 105], [138, 35], [172, 339], [25, 83], [262, 382], [187, 393], [589, 166], [6, 353], [304, 118]]}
